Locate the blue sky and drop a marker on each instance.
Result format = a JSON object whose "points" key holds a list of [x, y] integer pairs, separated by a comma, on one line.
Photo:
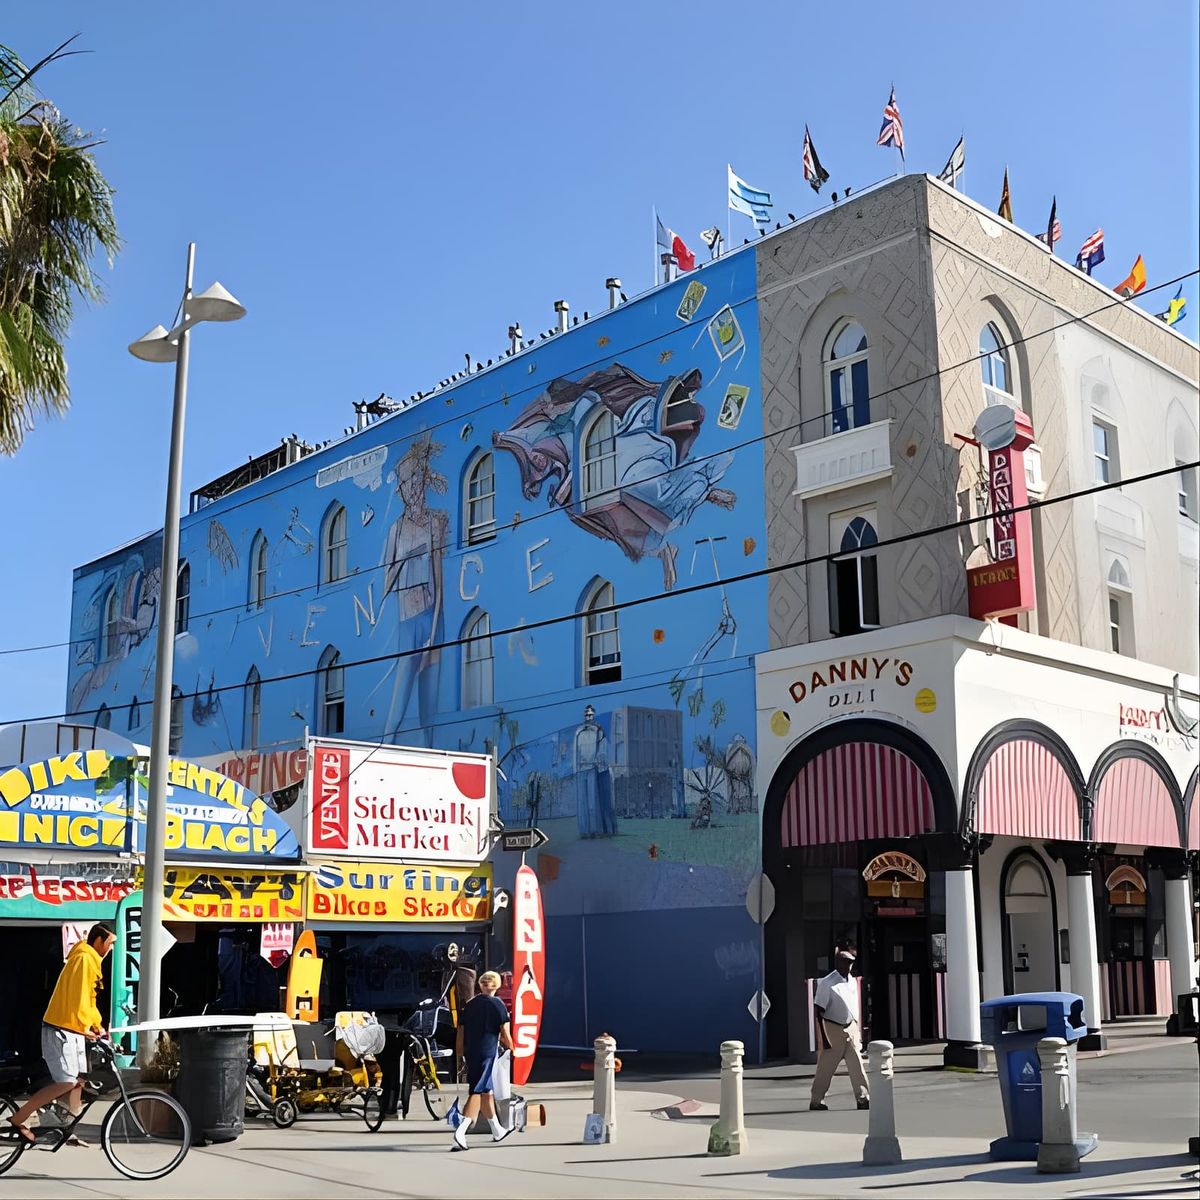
{"points": [[387, 186]]}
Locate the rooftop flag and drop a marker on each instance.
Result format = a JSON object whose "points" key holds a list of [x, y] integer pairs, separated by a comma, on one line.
{"points": [[1176, 308], [674, 245], [892, 132], [1005, 209], [1053, 227], [1134, 281], [956, 164], [752, 201], [712, 238], [813, 171], [1091, 253]]}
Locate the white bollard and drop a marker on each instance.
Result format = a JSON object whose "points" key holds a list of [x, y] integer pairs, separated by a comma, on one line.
{"points": [[881, 1147], [728, 1135], [1057, 1153], [601, 1122]]}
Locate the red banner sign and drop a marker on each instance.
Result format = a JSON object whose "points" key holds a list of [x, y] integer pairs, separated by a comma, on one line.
{"points": [[529, 972], [331, 798]]}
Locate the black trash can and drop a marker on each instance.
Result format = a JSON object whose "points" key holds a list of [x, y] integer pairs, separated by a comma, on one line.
{"points": [[212, 1082]]}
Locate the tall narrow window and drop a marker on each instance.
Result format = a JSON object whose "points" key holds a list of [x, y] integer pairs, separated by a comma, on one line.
{"points": [[1187, 490], [252, 710], [993, 363], [479, 501], [333, 545], [183, 597], [110, 638], [135, 713], [176, 739], [258, 570], [848, 378], [331, 694], [1104, 451], [104, 717], [601, 637], [854, 580], [1120, 609], [600, 461], [477, 682]]}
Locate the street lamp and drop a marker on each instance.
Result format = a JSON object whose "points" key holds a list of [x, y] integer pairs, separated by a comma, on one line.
{"points": [[162, 346]]}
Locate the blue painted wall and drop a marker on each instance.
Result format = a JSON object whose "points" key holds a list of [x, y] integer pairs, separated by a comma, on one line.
{"points": [[653, 821]]}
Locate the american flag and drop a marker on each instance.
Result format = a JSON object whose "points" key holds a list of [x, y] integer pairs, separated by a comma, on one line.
{"points": [[814, 173], [892, 132], [1091, 253], [1053, 232]]}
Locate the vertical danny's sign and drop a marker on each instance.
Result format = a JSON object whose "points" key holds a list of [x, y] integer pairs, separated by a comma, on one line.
{"points": [[529, 972]]}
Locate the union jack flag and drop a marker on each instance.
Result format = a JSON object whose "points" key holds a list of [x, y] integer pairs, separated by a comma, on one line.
{"points": [[892, 132], [1091, 253]]}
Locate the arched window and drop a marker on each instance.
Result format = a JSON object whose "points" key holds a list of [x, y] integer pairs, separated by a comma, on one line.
{"points": [[183, 597], [333, 545], [104, 717], [331, 694], [110, 635], [847, 378], [993, 364], [854, 590], [477, 678], [1120, 609], [135, 713], [176, 739], [252, 710], [258, 570], [601, 636], [479, 501], [599, 475]]}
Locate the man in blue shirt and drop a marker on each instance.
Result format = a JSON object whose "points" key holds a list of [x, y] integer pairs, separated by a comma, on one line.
{"points": [[483, 1029]]}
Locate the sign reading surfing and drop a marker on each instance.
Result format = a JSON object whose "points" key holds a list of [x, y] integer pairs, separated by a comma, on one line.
{"points": [[368, 801]]}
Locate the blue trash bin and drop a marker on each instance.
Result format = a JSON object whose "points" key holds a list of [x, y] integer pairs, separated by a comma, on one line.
{"points": [[1013, 1026]]}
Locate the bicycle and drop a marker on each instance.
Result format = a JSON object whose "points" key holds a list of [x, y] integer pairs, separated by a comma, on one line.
{"points": [[145, 1135], [424, 1057]]}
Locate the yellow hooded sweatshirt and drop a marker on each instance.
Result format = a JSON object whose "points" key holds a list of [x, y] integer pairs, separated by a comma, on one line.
{"points": [[73, 1005]]}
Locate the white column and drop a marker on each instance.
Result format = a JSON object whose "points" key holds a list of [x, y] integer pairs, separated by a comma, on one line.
{"points": [[881, 1147], [1178, 901], [728, 1135], [1057, 1153], [1085, 953], [962, 959]]}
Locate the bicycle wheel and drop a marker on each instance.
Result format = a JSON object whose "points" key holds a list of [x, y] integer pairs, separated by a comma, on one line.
{"points": [[146, 1135], [437, 1098], [11, 1143], [372, 1109]]}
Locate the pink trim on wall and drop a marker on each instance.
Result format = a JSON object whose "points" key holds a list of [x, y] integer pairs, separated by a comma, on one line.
{"points": [[1163, 1001], [1133, 805], [1026, 792]]}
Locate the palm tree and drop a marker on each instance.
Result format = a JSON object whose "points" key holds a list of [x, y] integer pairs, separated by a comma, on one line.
{"points": [[55, 213]]}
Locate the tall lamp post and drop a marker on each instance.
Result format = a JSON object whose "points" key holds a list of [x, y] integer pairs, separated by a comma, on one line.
{"points": [[163, 346]]}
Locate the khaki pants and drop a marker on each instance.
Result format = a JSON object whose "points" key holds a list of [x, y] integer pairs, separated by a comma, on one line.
{"points": [[843, 1044]]}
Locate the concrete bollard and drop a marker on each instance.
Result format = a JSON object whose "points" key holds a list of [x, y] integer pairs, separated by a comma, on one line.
{"points": [[728, 1135], [881, 1147], [601, 1123], [1057, 1152]]}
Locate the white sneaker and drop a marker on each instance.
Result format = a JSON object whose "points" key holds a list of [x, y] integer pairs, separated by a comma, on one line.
{"points": [[460, 1136]]}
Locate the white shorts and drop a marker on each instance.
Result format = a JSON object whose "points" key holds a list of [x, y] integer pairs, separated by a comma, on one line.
{"points": [[65, 1054]]}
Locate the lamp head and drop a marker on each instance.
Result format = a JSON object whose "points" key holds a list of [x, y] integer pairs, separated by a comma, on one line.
{"points": [[214, 304], [155, 346]]}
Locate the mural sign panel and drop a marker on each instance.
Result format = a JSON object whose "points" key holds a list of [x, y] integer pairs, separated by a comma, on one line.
{"points": [[362, 891], [63, 892], [198, 894], [368, 801], [529, 972]]}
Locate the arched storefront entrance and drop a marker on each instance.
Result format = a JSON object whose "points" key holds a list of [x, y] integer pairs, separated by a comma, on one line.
{"points": [[1030, 919], [852, 827]]}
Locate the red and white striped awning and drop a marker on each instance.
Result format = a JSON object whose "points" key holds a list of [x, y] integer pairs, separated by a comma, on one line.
{"points": [[1133, 805], [857, 791], [1026, 792]]}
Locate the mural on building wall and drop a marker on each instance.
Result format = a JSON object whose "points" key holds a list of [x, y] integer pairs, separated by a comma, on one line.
{"points": [[644, 782]]}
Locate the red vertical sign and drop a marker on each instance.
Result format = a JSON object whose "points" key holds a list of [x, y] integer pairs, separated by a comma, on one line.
{"points": [[529, 972], [330, 822]]}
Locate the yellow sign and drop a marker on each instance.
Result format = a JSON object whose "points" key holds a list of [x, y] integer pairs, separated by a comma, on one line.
{"points": [[780, 723], [925, 700], [253, 896], [362, 891]]}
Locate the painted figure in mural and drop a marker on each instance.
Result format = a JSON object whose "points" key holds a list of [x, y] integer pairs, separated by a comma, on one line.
{"points": [[412, 559], [614, 449], [739, 769], [593, 783]]}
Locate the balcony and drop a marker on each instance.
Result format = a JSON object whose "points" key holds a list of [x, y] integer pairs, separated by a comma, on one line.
{"points": [[843, 460]]}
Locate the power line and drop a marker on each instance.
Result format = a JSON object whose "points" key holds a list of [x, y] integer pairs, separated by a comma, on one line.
{"points": [[690, 463], [691, 589]]}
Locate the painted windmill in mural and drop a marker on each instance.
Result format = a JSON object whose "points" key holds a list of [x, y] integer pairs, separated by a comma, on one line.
{"points": [[614, 451]]}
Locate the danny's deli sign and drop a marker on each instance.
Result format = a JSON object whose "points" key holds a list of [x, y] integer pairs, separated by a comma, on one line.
{"points": [[388, 802]]}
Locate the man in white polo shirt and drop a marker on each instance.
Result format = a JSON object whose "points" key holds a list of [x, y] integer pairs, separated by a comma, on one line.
{"points": [[836, 1007]]}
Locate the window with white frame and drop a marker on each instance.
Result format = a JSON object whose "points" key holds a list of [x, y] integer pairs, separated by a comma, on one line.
{"points": [[331, 693], [183, 597], [601, 636], [333, 546], [993, 364], [1120, 609], [258, 570], [479, 501], [599, 479], [1104, 451], [252, 710], [847, 378], [854, 579], [110, 639], [1187, 491], [477, 673]]}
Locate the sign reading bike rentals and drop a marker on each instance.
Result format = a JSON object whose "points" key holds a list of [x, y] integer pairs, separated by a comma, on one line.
{"points": [[369, 801], [92, 800], [529, 972]]}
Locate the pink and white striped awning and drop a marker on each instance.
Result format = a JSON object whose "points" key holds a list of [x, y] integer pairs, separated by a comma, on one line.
{"points": [[1192, 808], [1026, 792], [1133, 805], [857, 791]]}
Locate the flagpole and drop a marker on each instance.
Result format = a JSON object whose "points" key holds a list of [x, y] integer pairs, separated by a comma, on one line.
{"points": [[728, 226], [654, 243]]}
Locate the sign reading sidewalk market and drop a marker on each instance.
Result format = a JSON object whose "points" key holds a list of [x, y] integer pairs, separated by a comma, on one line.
{"points": [[370, 801], [363, 891], [91, 800]]}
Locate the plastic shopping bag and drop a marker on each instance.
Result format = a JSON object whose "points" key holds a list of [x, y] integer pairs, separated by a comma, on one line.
{"points": [[502, 1076], [454, 1118]]}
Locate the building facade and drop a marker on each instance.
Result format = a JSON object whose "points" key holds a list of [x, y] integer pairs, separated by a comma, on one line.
{"points": [[609, 561]]}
